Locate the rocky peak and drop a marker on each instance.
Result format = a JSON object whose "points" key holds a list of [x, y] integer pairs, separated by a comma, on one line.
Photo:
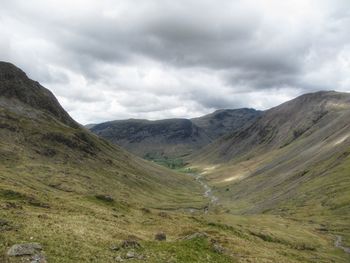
{"points": [[14, 84]]}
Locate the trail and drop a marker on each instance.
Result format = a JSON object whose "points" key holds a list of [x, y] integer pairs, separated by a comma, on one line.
{"points": [[338, 244], [208, 192]]}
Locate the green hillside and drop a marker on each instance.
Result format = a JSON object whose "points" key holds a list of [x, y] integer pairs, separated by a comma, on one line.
{"points": [[84, 199]]}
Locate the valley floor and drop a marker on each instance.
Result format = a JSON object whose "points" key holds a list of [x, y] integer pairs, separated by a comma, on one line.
{"points": [[88, 230]]}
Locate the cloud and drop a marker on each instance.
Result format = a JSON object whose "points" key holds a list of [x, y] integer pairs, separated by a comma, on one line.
{"points": [[160, 58]]}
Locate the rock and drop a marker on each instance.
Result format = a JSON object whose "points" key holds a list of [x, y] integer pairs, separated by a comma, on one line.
{"points": [[130, 242], [218, 248], [146, 210], [119, 259], [24, 249], [43, 216], [106, 198], [163, 214], [130, 254], [5, 225], [196, 235], [115, 247], [161, 236], [38, 258]]}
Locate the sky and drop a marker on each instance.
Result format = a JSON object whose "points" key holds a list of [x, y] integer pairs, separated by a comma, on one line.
{"points": [[154, 59]]}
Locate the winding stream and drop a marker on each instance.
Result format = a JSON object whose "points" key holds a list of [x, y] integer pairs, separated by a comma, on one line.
{"points": [[338, 244], [208, 192]]}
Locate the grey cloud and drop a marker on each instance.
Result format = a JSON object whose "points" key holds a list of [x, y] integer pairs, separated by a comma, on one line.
{"points": [[207, 54]]}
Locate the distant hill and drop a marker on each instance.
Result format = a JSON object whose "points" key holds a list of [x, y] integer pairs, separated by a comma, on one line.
{"points": [[173, 137]]}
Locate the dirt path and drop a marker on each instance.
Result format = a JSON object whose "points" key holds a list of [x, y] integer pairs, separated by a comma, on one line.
{"points": [[338, 244]]}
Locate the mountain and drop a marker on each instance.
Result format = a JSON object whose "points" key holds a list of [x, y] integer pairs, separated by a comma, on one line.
{"points": [[69, 196], [294, 158], [173, 137], [57, 178], [15, 85], [222, 122]]}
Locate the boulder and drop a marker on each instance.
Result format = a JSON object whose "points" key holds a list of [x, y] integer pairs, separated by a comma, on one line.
{"points": [[27, 249]]}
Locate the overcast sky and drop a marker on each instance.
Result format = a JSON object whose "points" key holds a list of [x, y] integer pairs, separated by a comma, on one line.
{"points": [[109, 59]]}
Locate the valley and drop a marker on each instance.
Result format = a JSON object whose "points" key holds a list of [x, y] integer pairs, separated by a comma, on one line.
{"points": [[245, 185]]}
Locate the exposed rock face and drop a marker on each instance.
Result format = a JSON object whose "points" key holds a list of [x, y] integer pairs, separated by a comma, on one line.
{"points": [[28, 252], [173, 137], [24, 249], [14, 84]]}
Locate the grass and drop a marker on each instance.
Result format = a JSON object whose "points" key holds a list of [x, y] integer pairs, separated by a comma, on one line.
{"points": [[78, 196]]}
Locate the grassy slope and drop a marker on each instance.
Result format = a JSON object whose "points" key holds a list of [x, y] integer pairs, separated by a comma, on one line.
{"points": [[306, 181], [50, 198], [51, 175]]}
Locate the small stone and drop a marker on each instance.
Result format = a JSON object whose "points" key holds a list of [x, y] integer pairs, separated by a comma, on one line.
{"points": [[38, 258], [43, 216], [218, 248], [24, 249], [161, 236], [130, 254], [131, 242], [106, 198], [119, 259], [163, 214], [5, 225], [115, 247]]}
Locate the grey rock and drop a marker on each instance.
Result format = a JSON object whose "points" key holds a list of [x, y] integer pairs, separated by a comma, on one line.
{"points": [[161, 236], [38, 258], [131, 242], [130, 254], [218, 248], [24, 249], [115, 247], [119, 259]]}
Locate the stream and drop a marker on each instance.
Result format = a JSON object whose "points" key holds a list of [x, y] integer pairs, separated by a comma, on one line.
{"points": [[338, 244], [208, 192]]}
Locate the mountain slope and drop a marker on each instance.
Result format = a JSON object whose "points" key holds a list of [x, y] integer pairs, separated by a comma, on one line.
{"points": [[222, 122], [288, 147], [86, 200], [173, 137], [61, 185], [16, 85]]}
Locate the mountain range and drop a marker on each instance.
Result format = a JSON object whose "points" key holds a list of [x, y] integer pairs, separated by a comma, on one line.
{"points": [[253, 186], [173, 138]]}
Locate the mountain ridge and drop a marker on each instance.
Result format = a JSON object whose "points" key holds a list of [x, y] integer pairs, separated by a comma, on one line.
{"points": [[175, 137]]}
